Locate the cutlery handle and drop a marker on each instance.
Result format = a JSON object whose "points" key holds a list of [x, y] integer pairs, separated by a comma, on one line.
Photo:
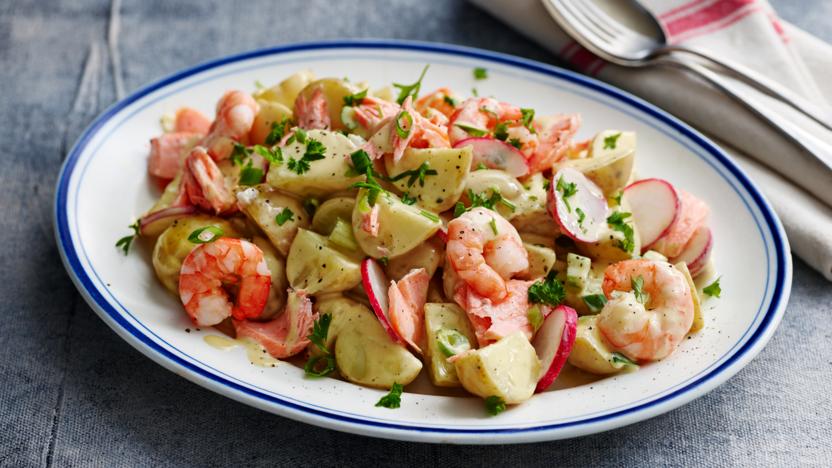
{"points": [[815, 112], [817, 149]]}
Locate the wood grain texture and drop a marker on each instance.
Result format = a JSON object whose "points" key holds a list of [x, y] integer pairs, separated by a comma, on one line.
{"points": [[73, 393]]}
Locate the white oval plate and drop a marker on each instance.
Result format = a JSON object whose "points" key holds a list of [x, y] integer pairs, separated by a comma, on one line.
{"points": [[103, 186]]}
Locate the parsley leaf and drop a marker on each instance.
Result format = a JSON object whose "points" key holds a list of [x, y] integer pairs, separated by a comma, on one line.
{"points": [[407, 199], [362, 164], [250, 175], [419, 174], [617, 221], [355, 98], [320, 329], [618, 358], [480, 73], [595, 302], [314, 151], [581, 217], [515, 142], [239, 154], [480, 167], [713, 289], [471, 130], [547, 291], [273, 155], [484, 201], [393, 399], [637, 284], [528, 117], [410, 90], [205, 235], [124, 242], [611, 141], [277, 131], [285, 215], [401, 131], [494, 405], [501, 131], [474, 92], [450, 101], [566, 189]]}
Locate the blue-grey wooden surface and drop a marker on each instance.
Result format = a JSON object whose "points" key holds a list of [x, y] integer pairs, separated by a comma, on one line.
{"points": [[73, 393]]}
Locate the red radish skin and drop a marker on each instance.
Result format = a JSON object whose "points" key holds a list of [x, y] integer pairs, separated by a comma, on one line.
{"points": [[154, 223], [496, 154], [375, 284], [655, 206], [697, 251], [553, 343], [588, 197]]}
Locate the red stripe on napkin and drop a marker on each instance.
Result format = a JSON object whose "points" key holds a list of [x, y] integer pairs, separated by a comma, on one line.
{"points": [[705, 16], [682, 9]]}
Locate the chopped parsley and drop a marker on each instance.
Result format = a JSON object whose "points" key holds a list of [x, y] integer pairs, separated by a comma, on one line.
{"points": [[480, 167], [617, 221], [611, 141], [493, 224], [480, 73], [595, 302], [313, 366], [419, 174], [618, 358], [355, 98], [515, 142], [311, 205], [407, 199], [490, 201], [494, 405], [278, 131], [713, 289], [450, 100], [393, 399], [285, 215], [273, 155], [471, 130], [474, 92], [567, 190], [637, 284], [124, 242], [205, 235], [314, 151], [401, 131], [581, 217], [429, 215], [362, 164], [547, 291], [528, 117], [451, 342], [250, 175], [410, 90], [617, 198], [298, 135], [239, 154], [501, 131]]}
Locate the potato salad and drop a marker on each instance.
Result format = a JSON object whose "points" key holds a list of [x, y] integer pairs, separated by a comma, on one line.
{"points": [[371, 235]]}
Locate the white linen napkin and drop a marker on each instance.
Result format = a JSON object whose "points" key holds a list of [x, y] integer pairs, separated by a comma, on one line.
{"points": [[744, 31]]}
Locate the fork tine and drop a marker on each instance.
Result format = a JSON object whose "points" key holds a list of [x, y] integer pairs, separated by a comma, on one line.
{"points": [[580, 21], [600, 17]]}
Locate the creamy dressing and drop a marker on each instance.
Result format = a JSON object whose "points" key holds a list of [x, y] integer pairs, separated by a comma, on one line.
{"points": [[256, 353]]}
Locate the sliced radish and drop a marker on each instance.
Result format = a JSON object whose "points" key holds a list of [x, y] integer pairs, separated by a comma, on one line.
{"points": [[697, 250], [154, 223], [496, 154], [442, 234], [580, 210], [655, 206], [376, 284], [553, 343]]}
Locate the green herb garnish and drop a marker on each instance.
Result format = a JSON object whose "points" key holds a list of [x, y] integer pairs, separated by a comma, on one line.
{"points": [[494, 405], [393, 399], [451, 342], [285, 215], [618, 358], [480, 167], [617, 222], [611, 141], [401, 131], [239, 154], [205, 235], [355, 98], [480, 73], [617, 198], [419, 174], [124, 242], [713, 289], [528, 118], [410, 90], [566, 189], [314, 152], [407, 199], [595, 302], [471, 130], [277, 131], [581, 217], [429, 215], [637, 284], [320, 329], [493, 224], [273, 155], [515, 142], [474, 92], [535, 317], [311, 205], [450, 101], [548, 291], [250, 175], [501, 131]]}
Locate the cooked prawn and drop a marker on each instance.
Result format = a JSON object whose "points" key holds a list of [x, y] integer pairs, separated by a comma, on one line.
{"points": [[441, 100], [652, 330], [212, 267], [482, 113], [191, 121], [693, 214], [205, 184], [168, 152], [407, 298], [495, 320], [553, 142], [485, 250], [236, 111], [312, 113], [286, 335]]}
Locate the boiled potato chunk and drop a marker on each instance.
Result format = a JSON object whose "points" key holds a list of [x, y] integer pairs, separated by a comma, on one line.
{"points": [[485, 182], [698, 320], [270, 112], [345, 313], [365, 354], [609, 165], [608, 248], [262, 205], [324, 176], [441, 191], [508, 369], [327, 215], [591, 351], [401, 227], [287, 90], [428, 255], [315, 267], [173, 246], [541, 260], [277, 268], [438, 317], [334, 91]]}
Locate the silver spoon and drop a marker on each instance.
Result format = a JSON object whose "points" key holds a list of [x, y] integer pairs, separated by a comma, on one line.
{"points": [[615, 42]]}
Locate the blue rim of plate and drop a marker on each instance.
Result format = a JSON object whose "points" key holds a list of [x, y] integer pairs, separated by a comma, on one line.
{"points": [[780, 287]]}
